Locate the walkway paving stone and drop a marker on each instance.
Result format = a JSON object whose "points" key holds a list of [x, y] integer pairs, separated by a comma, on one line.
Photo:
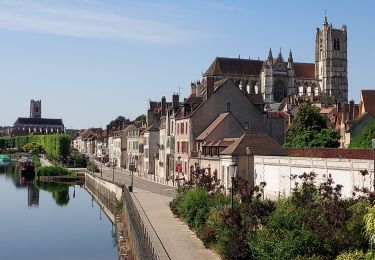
{"points": [[179, 241]]}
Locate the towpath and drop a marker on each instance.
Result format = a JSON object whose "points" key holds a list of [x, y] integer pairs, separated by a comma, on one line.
{"points": [[179, 241]]}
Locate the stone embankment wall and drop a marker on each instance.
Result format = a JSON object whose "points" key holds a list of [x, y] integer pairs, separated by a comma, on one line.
{"points": [[109, 197], [111, 191]]}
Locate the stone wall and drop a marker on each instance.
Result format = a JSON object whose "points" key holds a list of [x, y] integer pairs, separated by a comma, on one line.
{"points": [[277, 171]]}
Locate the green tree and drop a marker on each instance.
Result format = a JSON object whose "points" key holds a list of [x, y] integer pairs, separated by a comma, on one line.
{"points": [[141, 118], [363, 140], [309, 129]]}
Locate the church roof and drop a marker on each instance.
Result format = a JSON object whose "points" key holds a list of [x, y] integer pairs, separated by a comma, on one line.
{"points": [[235, 66], [304, 70], [38, 121]]}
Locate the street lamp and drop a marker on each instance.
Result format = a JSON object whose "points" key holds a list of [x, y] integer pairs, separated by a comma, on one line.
{"points": [[373, 147], [131, 168], [233, 173], [248, 151], [101, 165], [113, 169], [178, 170]]}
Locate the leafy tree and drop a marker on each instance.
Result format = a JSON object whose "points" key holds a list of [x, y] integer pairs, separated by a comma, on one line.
{"points": [[363, 140], [117, 123], [141, 118], [309, 129]]}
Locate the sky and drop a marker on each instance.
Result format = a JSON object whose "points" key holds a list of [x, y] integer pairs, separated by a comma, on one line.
{"points": [[90, 61]]}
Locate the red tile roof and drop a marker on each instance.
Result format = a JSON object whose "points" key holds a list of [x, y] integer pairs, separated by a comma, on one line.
{"points": [[259, 143], [332, 153], [368, 97]]}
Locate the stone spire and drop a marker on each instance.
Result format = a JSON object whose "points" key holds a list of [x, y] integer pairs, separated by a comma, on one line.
{"points": [[270, 58], [290, 60]]}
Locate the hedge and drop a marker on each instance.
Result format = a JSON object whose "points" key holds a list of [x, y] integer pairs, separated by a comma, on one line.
{"points": [[56, 146]]}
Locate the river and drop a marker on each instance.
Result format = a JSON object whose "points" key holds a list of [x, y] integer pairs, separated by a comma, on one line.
{"points": [[51, 221]]}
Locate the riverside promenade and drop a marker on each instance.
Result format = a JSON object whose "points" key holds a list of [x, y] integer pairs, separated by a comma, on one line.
{"points": [[178, 240]]}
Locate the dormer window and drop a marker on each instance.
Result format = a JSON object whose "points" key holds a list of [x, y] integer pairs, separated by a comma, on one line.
{"points": [[228, 106]]}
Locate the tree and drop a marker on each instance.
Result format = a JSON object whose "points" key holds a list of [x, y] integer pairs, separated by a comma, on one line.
{"points": [[117, 123], [141, 118], [309, 129], [363, 140]]}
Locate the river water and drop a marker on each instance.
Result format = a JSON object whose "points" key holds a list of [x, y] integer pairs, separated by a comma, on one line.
{"points": [[51, 221]]}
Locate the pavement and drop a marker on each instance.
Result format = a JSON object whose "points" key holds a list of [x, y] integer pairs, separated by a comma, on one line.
{"points": [[179, 241]]}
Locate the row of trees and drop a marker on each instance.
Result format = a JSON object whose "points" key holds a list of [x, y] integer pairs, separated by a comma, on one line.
{"points": [[313, 223], [56, 146]]}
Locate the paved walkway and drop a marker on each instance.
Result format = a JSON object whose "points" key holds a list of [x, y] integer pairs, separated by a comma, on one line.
{"points": [[44, 162], [179, 241]]}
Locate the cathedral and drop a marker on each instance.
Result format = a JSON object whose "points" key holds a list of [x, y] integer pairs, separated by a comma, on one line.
{"points": [[35, 124], [277, 79]]}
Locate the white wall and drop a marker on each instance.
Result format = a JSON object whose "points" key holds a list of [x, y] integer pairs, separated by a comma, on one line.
{"points": [[276, 172]]}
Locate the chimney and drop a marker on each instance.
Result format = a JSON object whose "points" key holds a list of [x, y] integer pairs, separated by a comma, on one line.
{"points": [[175, 101], [209, 86], [193, 89], [351, 109], [163, 106]]}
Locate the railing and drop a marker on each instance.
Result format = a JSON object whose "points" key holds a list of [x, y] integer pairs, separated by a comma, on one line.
{"points": [[146, 242]]}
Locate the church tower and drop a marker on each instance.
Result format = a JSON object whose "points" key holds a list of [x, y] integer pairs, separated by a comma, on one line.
{"points": [[331, 63], [35, 108]]}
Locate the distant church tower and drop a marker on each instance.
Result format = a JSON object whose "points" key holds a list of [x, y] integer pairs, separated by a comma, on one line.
{"points": [[331, 62], [36, 109]]}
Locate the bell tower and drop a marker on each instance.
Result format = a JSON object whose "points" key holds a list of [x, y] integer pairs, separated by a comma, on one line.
{"points": [[35, 108], [331, 62]]}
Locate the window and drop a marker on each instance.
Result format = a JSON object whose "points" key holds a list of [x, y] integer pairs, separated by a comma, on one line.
{"points": [[178, 147], [178, 128], [186, 129], [247, 126], [228, 106], [336, 44], [182, 128]]}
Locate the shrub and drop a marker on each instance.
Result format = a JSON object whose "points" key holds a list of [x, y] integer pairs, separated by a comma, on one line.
{"points": [[53, 171], [92, 167], [356, 255], [36, 161]]}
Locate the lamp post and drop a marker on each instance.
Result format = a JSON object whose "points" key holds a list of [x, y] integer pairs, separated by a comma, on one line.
{"points": [[113, 169], [101, 165], [373, 147], [132, 168], [178, 171], [248, 151], [233, 172]]}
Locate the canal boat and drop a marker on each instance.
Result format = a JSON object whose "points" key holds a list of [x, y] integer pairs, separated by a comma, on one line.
{"points": [[27, 168]]}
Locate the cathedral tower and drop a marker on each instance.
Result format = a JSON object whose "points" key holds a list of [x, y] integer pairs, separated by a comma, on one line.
{"points": [[35, 108], [331, 63]]}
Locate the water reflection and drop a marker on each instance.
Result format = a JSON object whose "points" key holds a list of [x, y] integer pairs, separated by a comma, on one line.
{"points": [[59, 191]]}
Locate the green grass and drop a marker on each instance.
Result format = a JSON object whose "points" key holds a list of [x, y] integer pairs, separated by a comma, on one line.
{"points": [[53, 171]]}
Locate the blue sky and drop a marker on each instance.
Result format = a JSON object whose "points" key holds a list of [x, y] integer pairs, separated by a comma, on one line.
{"points": [[90, 61]]}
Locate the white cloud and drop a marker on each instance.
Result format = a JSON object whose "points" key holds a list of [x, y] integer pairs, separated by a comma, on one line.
{"points": [[78, 21]]}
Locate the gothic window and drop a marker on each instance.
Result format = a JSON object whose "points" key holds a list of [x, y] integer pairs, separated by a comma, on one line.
{"points": [[279, 91]]}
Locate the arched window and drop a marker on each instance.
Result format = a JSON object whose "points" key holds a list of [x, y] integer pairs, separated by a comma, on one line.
{"points": [[279, 91]]}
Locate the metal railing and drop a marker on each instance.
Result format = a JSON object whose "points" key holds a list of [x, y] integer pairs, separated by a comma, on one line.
{"points": [[145, 241]]}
